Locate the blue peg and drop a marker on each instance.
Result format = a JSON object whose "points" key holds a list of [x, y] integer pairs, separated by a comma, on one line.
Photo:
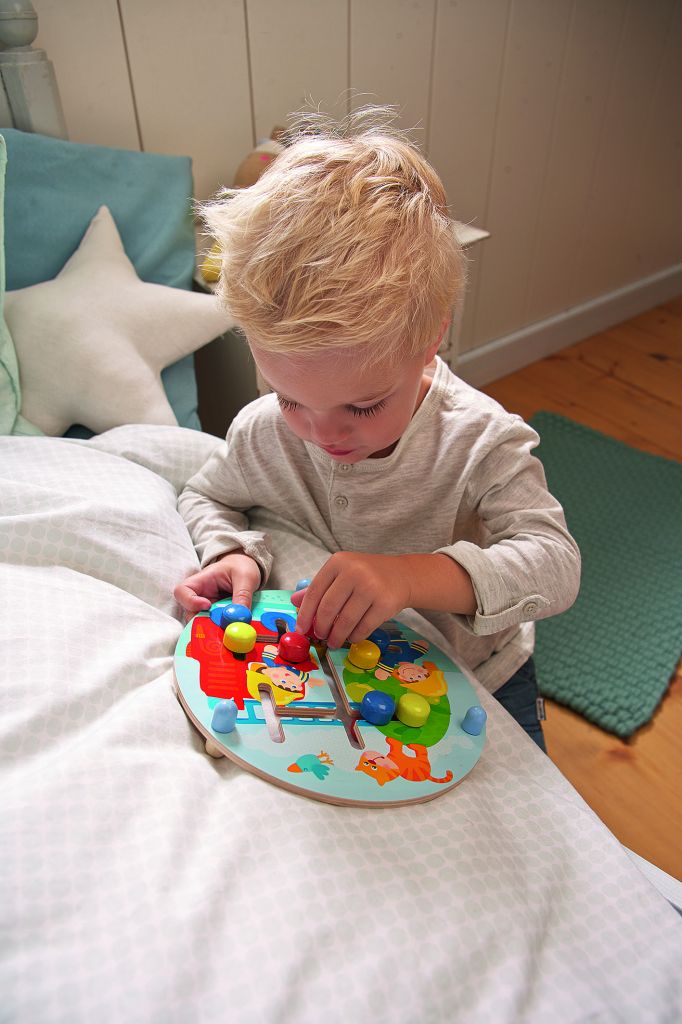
{"points": [[302, 584], [224, 716], [377, 707], [216, 613], [234, 613], [474, 720]]}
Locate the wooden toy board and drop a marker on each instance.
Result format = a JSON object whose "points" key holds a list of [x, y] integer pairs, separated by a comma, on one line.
{"points": [[298, 725]]}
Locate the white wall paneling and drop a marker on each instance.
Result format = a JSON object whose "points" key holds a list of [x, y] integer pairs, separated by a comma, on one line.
{"points": [[555, 124], [299, 53], [84, 41], [533, 61], [470, 42], [658, 194], [189, 73], [534, 341], [591, 51], [391, 56], [614, 219]]}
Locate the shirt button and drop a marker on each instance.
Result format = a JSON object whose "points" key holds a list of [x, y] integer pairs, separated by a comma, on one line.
{"points": [[341, 501], [345, 468], [530, 607]]}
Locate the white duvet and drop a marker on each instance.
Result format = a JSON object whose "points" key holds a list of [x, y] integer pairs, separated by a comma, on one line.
{"points": [[143, 881]]}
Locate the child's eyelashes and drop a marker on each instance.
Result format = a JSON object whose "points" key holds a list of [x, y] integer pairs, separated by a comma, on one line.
{"points": [[287, 405], [370, 410]]}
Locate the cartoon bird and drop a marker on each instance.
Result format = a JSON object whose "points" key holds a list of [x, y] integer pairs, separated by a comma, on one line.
{"points": [[318, 764]]}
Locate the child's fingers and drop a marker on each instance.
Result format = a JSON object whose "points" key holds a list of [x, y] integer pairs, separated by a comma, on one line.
{"points": [[348, 619], [330, 606], [189, 599], [242, 595], [366, 625], [309, 599], [311, 614], [244, 582]]}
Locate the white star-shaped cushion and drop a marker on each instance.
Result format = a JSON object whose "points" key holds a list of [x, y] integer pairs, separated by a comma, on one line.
{"points": [[91, 343]]}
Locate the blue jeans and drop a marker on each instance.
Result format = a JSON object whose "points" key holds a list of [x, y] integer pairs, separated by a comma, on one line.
{"points": [[519, 695]]}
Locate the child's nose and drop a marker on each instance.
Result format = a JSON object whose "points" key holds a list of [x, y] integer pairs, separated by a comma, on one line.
{"points": [[327, 429]]}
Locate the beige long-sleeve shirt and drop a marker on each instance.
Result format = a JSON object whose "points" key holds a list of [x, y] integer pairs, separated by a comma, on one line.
{"points": [[462, 480]]}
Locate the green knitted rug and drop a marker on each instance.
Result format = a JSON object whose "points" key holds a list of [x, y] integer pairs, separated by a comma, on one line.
{"points": [[610, 657]]}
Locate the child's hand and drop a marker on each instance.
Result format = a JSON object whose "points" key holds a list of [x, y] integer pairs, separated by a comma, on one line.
{"points": [[235, 573], [352, 595]]}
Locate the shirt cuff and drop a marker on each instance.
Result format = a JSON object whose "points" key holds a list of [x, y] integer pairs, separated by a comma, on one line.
{"points": [[496, 608], [255, 547]]}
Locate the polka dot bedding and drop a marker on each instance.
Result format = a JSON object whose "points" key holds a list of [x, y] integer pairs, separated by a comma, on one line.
{"points": [[143, 881]]}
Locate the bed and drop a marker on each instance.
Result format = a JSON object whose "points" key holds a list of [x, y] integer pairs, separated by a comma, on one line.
{"points": [[145, 881]]}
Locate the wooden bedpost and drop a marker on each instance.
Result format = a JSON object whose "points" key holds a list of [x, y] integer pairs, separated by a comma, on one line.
{"points": [[29, 97]]}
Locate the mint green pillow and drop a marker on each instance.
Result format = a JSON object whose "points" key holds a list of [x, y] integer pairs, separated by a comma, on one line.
{"points": [[54, 188], [10, 392], [10, 399]]}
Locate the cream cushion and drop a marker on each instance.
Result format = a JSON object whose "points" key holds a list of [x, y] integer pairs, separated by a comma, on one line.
{"points": [[92, 342]]}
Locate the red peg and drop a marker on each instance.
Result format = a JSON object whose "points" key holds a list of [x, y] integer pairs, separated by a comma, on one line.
{"points": [[293, 647]]}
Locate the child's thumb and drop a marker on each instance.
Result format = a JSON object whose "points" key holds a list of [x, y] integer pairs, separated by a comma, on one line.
{"points": [[242, 589]]}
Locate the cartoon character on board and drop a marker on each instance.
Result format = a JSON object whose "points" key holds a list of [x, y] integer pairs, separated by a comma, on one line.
{"points": [[318, 764], [287, 682], [399, 650], [426, 679], [399, 765]]}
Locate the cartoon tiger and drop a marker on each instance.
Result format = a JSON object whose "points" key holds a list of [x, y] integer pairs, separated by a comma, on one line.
{"points": [[397, 764]]}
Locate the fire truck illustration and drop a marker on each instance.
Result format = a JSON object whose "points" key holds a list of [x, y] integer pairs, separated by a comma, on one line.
{"points": [[223, 674]]}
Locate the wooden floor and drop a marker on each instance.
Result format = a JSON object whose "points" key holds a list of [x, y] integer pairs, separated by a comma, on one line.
{"points": [[625, 382]]}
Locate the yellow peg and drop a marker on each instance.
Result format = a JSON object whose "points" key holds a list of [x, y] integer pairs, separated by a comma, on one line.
{"points": [[365, 655], [240, 638]]}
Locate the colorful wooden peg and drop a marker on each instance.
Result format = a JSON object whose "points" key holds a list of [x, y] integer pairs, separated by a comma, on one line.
{"points": [[216, 614], [377, 707], [302, 584], [230, 613], [474, 720], [293, 647], [413, 709], [224, 716], [240, 638], [364, 655]]}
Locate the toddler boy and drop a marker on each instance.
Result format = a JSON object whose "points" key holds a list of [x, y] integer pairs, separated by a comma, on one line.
{"points": [[342, 267]]}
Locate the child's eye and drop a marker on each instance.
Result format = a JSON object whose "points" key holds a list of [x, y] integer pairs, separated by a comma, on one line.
{"points": [[370, 410], [286, 404]]}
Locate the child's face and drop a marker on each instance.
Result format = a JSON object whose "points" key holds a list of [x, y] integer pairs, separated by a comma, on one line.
{"points": [[351, 413]]}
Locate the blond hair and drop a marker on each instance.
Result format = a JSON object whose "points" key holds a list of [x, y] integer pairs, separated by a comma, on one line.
{"points": [[345, 240]]}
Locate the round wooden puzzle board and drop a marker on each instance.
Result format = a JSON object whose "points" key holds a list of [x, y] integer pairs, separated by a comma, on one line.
{"points": [[306, 734]]}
